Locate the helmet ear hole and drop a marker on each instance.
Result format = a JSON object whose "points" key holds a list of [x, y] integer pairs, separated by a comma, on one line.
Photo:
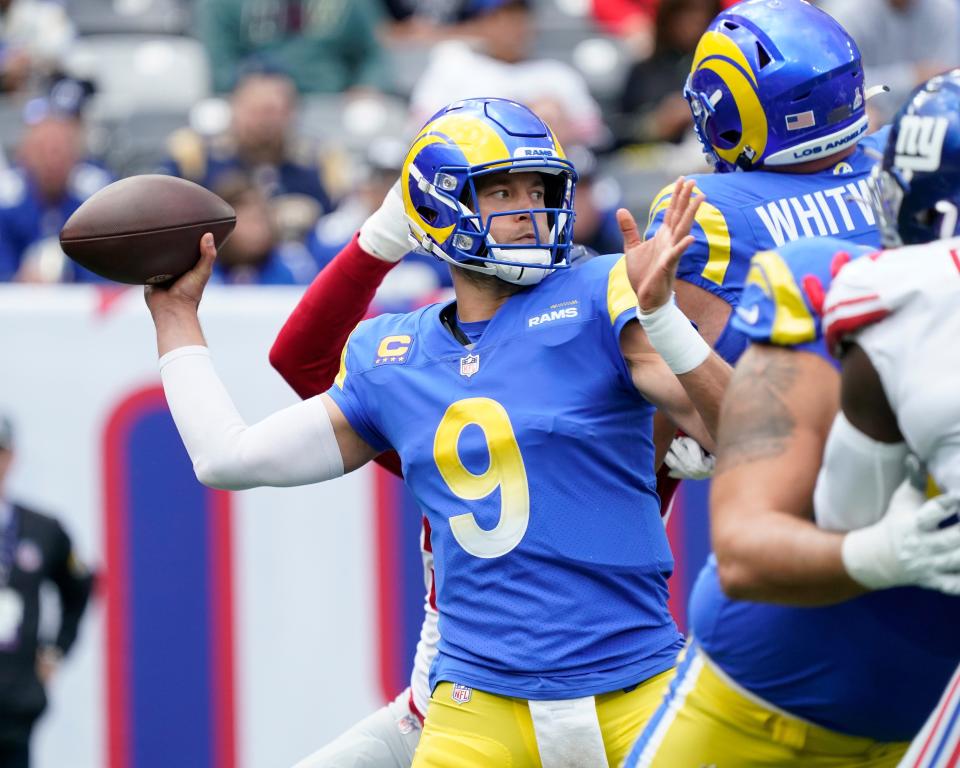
{"points": [[427, 214], [733, 137], [763, 58]]}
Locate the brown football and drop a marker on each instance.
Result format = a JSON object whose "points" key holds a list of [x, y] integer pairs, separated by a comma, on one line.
{"points": [[145, 229]]}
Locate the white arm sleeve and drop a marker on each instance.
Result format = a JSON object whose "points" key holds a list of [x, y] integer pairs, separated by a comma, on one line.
{"points": [[857, 478], [295, 446]]}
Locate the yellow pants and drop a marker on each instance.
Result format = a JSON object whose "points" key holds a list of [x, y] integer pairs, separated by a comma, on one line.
{"points": [[706, 720], [491, 731]]}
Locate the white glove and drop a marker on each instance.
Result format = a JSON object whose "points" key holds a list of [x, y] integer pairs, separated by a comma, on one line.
{"points": [[907, 546], [385, 234], [688, 460]]}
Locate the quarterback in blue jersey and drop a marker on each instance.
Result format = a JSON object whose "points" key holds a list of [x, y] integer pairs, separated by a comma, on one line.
{"points": [[522, 415], [850, 677]]}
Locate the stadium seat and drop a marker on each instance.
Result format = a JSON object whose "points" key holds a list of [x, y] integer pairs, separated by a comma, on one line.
{"points": [[136, 73], [92, 17], [136, 143], [352, 122], [11, 123]]}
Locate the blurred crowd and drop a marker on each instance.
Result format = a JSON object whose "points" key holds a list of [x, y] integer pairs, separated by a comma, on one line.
{"points": [[297, 111]]}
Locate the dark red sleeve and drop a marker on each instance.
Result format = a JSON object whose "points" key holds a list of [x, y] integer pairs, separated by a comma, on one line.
{"points": [[307, 349]]}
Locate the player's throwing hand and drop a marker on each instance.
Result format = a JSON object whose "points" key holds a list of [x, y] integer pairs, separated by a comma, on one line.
{"points": [[652, 264], [187, 290]]}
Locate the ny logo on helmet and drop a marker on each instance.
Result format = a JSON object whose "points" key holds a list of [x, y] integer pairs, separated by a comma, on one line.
{"points": [[920, 142]]}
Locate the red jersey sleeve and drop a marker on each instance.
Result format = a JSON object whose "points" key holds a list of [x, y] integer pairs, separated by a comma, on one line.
{"points": [[307, 350]]}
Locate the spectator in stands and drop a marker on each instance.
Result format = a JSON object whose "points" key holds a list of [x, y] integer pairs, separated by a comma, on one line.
{"points": [[631, 20], [47, 183], [34, 549], [418, 276], [327, 47], [596, 203], [652, 105], [33, 34], [260, 143], [493, 60], [254, 254], [902, 42]]}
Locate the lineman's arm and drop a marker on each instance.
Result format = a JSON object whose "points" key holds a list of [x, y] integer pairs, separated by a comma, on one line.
{"points": [[307, 350], [306, 443], [774, 421]]}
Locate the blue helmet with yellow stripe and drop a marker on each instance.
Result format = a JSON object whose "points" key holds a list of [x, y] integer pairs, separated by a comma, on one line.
{"points": [[918, 183], [773, 83], [463, 142]]}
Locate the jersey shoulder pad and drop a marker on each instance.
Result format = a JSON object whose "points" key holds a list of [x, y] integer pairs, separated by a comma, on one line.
{"points": [[709, 255], [867, 290], [716, 188], [785, 289], [604, 280], [390, 338]]}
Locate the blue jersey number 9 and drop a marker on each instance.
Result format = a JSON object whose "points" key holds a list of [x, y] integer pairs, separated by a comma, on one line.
{"points": [[506, 472]]}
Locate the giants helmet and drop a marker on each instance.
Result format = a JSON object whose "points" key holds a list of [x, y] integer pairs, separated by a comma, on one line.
{"points": [[775, 82], [469, 139], [918, 184]]}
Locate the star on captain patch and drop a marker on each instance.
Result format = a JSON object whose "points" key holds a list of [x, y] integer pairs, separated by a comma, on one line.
{"points": [[469, 365]]}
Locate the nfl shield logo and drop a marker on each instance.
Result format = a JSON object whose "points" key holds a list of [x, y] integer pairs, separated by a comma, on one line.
{"points": [[469, 365], [461, 693]]}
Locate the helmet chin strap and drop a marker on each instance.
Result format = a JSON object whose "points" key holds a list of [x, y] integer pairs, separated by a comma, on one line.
{"points": [[516, 274]]}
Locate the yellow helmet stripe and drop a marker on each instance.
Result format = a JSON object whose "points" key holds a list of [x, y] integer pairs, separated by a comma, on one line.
{"points": [[478, 141], [720, 54], [753, 120], [440, 234], [716, 44]]}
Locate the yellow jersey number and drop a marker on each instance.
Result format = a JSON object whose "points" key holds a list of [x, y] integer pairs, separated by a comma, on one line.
{"points": [[506, 472]]}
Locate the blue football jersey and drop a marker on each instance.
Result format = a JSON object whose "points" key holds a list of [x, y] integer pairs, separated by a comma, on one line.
{"points": [[531, 455], [776, 306], [759, 210], [873, 666]]}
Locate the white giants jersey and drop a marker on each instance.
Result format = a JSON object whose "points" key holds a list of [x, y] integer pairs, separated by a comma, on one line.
{"points": [[902, 307]]}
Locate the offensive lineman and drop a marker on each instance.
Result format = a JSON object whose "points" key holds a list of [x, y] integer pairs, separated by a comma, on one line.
{"points": [[847, 683], [894, 322], [792, 116]]}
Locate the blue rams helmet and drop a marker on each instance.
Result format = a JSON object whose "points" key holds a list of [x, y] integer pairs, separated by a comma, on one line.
{"points": [[463, 142], [917, 187], [775, 82]]}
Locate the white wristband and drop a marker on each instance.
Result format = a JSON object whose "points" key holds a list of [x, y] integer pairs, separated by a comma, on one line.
{"points": [[674, 338]]}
